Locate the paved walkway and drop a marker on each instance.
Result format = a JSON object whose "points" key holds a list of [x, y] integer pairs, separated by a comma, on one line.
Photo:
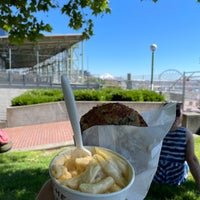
{"points": [[7, 94], [43, 136]]}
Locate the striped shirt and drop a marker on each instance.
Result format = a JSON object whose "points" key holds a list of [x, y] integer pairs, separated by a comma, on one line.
{"points": [[172, 167]]}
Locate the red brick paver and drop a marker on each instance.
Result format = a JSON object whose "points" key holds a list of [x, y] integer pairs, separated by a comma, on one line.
{"points": [[41, 136]]}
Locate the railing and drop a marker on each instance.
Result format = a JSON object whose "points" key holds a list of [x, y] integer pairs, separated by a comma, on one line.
{"points": [[185, 89], [17, 80]]}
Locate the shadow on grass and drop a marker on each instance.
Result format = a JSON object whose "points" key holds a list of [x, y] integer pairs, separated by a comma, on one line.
{"points": [[22, 184], [187, 191]]}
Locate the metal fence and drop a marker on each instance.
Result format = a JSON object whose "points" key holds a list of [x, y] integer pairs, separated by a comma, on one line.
{"points": [[185, 89], [33, 80], [173, 85], [191, 91], [29, 80]]}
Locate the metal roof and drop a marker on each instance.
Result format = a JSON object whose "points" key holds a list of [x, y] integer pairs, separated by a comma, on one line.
{"points": [[30, 53]]}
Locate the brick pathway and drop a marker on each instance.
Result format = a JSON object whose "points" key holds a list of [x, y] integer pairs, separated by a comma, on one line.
{"points": [[43, 136]]}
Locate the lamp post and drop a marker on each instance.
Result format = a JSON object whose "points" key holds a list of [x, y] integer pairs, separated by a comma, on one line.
{"points": [[153, 48]]}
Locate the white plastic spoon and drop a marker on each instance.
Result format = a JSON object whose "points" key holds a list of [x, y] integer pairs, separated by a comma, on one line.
{"points": [[80, 150]]}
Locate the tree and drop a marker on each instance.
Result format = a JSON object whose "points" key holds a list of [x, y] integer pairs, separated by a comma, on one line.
{"points": [[19, 17]]}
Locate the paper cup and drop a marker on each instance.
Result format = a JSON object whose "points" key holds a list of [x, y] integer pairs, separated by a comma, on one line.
{"points": [[62, 192]]}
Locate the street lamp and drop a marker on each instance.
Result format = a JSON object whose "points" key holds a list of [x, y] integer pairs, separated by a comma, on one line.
{"points": [[153, 48]]}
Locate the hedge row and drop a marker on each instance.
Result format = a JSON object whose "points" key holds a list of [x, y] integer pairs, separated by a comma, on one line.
{"points": [[37, 96]]}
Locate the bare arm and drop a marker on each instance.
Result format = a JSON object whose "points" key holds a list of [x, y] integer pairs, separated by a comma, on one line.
{"points": [[192, 159]]}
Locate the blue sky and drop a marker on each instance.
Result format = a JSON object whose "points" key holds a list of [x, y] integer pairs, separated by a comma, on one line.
{"points": [[122, 39]]}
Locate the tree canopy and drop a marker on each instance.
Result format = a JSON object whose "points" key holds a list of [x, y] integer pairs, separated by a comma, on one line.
{"points": [[19, 17]]}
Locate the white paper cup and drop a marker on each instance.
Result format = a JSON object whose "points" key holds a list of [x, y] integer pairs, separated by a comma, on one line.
{"points": [[62, 192]]}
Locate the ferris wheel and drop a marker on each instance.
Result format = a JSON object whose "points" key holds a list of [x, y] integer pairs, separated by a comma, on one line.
{"points": [[170, 75]]}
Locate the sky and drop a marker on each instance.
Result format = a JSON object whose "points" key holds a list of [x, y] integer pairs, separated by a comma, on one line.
{"points": [[122, 39]]}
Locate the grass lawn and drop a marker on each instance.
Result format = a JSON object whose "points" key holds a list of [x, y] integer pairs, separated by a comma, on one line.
{"points": [[22, 174], [187, 191]]}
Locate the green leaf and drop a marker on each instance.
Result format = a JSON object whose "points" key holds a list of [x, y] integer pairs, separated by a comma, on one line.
{"points": [[6, 27]]}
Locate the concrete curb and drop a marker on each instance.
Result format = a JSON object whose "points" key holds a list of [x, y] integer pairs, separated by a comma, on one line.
{"points": [[45, 147]]}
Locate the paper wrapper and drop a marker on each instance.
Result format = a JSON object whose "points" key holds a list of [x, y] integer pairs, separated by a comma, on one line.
{"points": [[140, 145]]}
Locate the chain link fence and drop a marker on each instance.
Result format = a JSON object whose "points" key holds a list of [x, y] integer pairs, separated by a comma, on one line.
{"points": [[191, 91], [184, 88], [175, 86]]}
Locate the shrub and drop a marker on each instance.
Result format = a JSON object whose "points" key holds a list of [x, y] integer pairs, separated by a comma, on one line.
{"points": [[151, 96], [105, 94], [86, 95], [136, 95], [121, 96], [36, 96]]}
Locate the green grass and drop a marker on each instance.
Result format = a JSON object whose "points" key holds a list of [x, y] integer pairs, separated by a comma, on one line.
{"points": [[187, 191], [22, 174]]}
